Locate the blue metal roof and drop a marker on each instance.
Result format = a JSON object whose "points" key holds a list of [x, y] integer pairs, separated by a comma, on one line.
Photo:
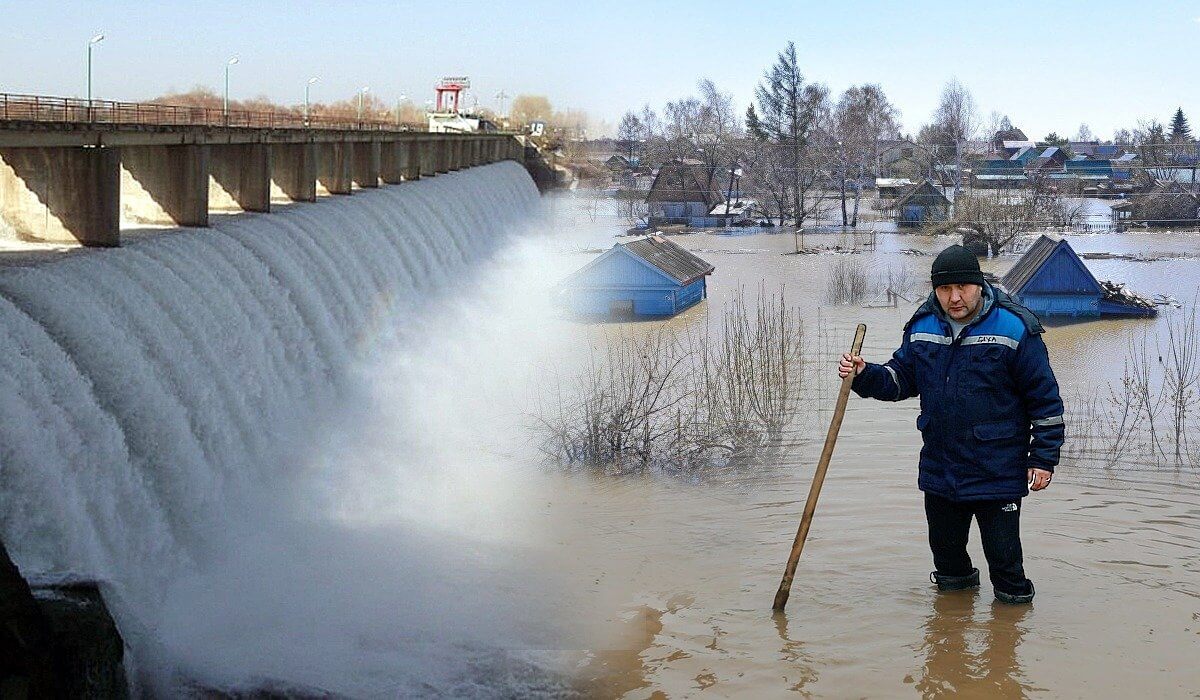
{"points": [[1051, 266]]}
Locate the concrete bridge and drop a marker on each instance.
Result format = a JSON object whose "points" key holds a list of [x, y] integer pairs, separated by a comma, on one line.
{"points": [[70, 168]]}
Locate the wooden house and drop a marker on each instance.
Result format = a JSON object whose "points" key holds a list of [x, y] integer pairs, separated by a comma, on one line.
{"points": [[684, 192], [648, 277], [891, 187], [1051, 280], [922, 203], [1166, 205], [1051, 159]]}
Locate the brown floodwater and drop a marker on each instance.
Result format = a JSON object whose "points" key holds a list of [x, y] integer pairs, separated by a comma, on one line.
{"points": [[1114, 553]]}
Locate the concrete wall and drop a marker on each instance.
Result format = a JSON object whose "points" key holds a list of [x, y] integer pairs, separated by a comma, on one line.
{"points": [[165, 184], [62, 195], [294, 171], [335, 168], [367, 163], [240, 177]]}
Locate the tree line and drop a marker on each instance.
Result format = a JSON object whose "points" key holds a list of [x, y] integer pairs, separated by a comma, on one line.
{"points": [[801, 151]]}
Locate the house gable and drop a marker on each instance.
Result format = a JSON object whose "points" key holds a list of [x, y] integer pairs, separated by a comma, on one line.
{"points": [[1062, 273]]}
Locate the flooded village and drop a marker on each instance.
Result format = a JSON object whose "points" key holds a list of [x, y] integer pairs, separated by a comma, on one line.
{"points": [[803, 236]]}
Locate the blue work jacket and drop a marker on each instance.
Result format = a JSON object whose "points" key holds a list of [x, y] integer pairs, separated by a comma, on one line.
{"points": [[990, 407]]}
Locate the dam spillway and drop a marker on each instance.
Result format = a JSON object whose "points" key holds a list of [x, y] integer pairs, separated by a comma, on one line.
{"points": [[150, 395]]}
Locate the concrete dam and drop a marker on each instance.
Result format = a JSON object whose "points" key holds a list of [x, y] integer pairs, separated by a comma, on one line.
{"points": [[153, 397]]}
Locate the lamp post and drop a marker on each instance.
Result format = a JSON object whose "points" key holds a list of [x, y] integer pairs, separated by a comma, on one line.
{"points": [[94, 40], [306, 87], [361, 94], [399, 101], [502, 96], [225, 103]]}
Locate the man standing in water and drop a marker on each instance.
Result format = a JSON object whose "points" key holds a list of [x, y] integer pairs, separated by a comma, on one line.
{"points": [[991, 418]]}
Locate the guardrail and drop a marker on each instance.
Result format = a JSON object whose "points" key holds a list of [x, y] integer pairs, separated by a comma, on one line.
{"points": [[67, 110]]}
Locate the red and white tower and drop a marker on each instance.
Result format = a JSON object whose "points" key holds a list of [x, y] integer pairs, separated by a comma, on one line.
{"points": [[449, 94]]}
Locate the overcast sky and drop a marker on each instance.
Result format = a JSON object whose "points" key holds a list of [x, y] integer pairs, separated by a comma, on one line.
{"points": [[1049, 65]]}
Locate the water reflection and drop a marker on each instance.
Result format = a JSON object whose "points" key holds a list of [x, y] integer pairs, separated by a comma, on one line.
{"points": [[801, 671], [969, 658]]}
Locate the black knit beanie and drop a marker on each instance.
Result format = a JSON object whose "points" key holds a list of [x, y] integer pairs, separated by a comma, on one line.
{"points": [[956, 265]]}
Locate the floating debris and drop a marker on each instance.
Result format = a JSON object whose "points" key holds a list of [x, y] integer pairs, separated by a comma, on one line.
{"points": [[1118, 293], [825, 250]]}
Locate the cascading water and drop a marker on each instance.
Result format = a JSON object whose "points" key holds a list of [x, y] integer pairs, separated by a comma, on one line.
{"points": [[156, 402]]}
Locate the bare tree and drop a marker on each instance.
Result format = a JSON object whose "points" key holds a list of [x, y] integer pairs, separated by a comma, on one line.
{"points": [[862, 119], [629, 133], [957, 120]]}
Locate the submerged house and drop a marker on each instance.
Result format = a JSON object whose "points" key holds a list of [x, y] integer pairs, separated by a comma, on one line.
{"points": [[685, 192], [1166, 205], [920, 204], [647, 277], [1051, 280], [891, 187]]}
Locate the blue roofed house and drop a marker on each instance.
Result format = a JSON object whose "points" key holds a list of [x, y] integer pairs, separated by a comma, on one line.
{"points": [[1051, 280], [648, 277]]}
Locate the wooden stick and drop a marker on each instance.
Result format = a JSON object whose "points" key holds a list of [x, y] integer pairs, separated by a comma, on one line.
{"points": [[814, 492]]}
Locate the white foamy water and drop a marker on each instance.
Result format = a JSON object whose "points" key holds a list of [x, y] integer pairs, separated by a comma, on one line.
{"points": [[159, 415]]}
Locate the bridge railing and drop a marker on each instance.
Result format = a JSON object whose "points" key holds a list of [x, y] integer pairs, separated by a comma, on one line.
{"points": [[68, 110]]}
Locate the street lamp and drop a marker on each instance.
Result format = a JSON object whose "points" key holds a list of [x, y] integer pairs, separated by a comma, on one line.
{"points": [[306, 87], [361, 93], [225, 107], [94, 40], [399, 101]]}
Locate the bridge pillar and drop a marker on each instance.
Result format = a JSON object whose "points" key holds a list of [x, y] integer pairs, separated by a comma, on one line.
{"points": [[412, 169], [336, 166], [429, 154], [443, 155], [165, 184], [393, 161], [456, 153], [477, 152], [62, 195], [240, 172], [294, 170], [367, 163]]}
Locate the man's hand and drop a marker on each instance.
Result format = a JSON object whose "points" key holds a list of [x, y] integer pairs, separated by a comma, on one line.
{"points": [[851, 363], [1039, 479]]}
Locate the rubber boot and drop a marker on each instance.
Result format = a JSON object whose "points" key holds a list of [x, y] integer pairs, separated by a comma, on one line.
{"points": [[1019, 599], [955, 583]]}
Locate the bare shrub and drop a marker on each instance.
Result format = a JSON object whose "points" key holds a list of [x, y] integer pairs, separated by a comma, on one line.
{"points": [[1146, 418], [707, 396], [847, 282], [897, 282]]}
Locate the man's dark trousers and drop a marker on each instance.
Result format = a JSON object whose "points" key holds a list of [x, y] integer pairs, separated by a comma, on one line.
{"points": [[999, 528]]}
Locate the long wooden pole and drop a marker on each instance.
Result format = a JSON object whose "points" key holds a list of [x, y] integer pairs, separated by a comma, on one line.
{"points": [[814, 492]]}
